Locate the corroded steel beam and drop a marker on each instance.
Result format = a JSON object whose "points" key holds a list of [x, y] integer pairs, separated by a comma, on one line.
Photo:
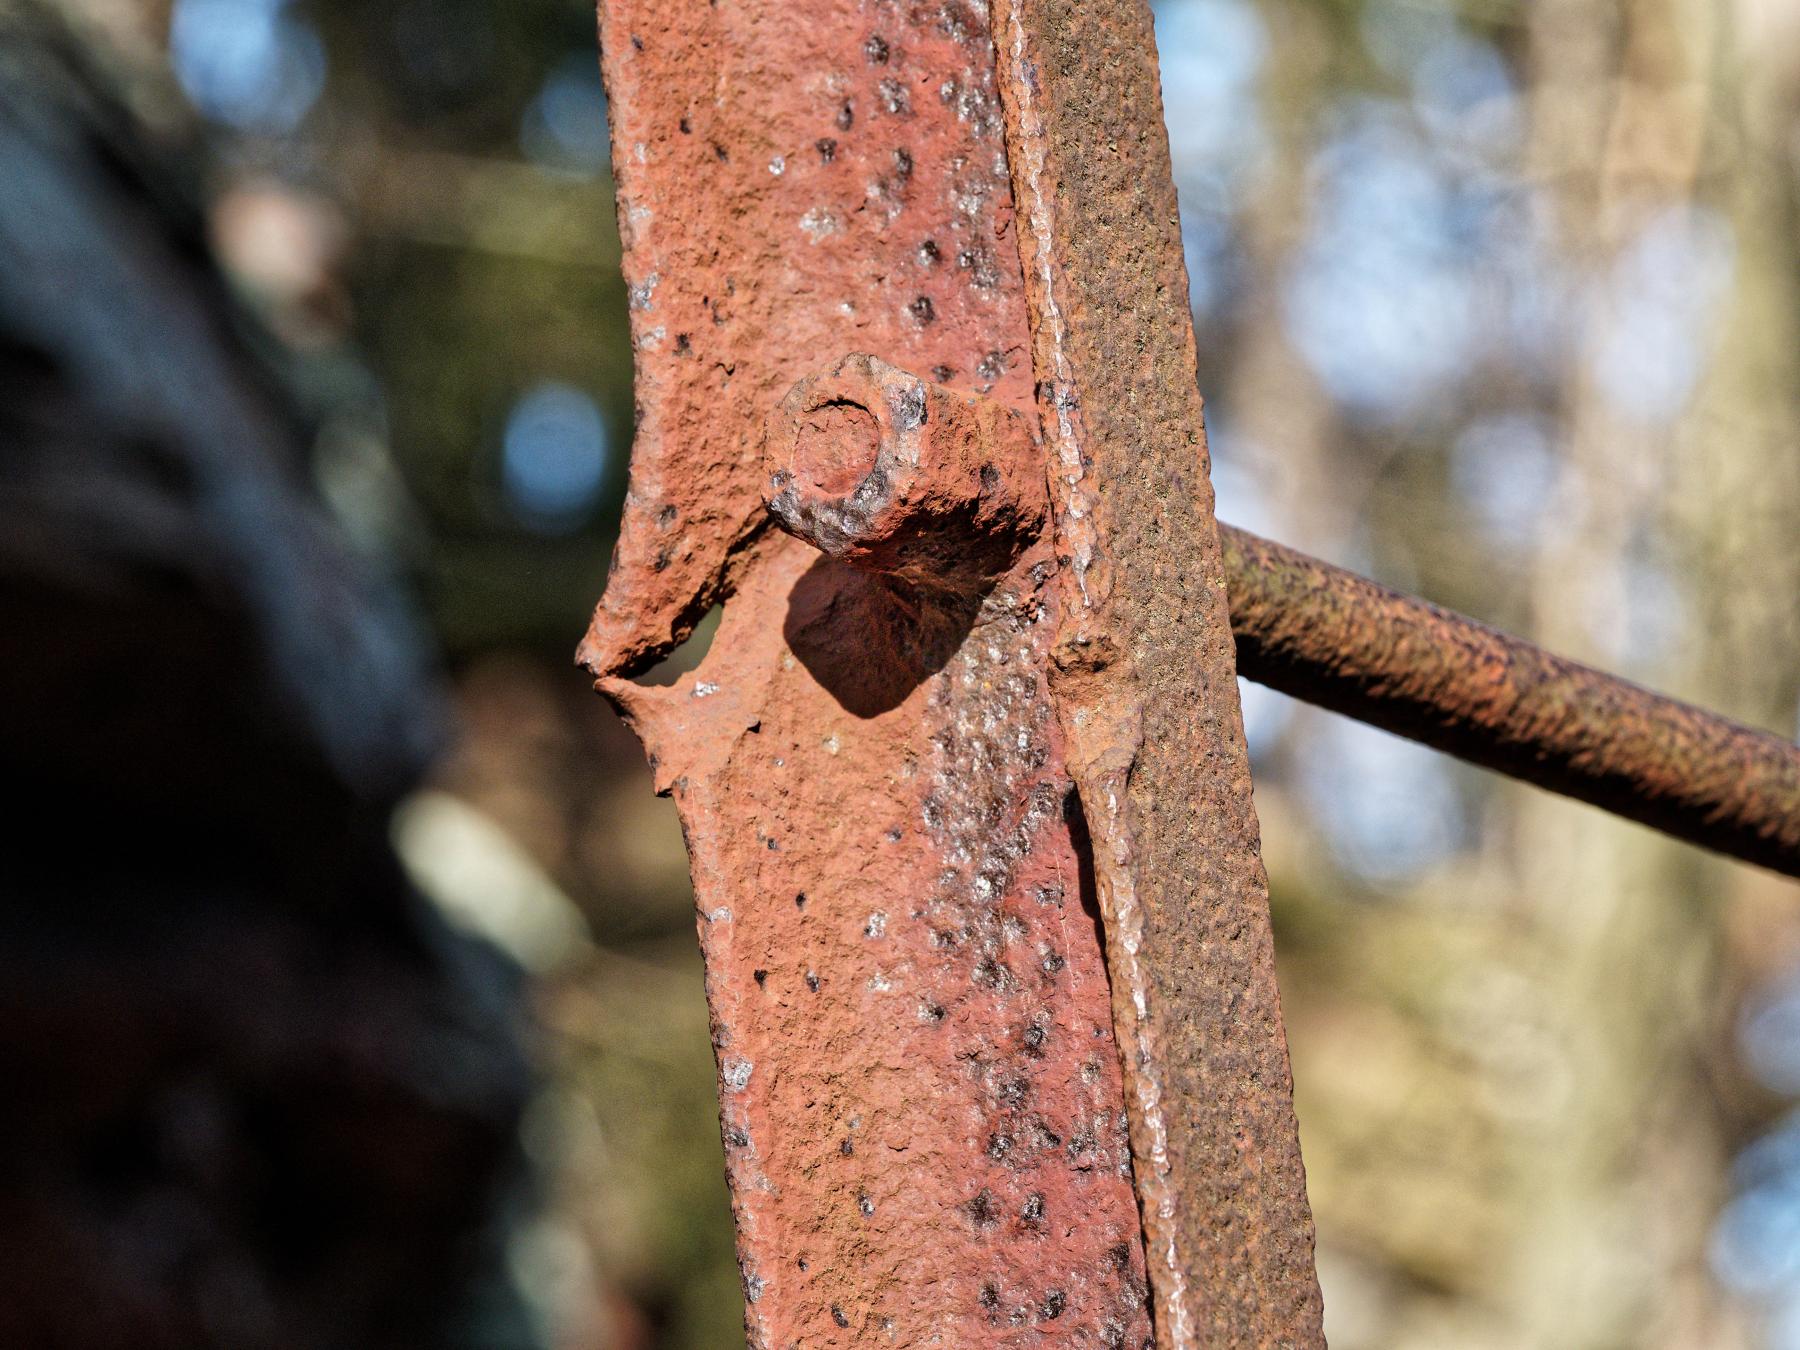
{"points": [[922, 1101], [1335, 639], [1144, 681]]}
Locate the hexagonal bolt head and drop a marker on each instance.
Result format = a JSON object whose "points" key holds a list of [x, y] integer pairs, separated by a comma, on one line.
{"points": [[893, 474]]}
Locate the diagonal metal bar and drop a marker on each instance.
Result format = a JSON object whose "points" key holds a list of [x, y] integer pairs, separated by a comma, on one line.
{"points": [[1333, 638], [1144, 681]]}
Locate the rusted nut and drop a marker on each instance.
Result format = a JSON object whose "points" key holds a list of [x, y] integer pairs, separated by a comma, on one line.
{"points": [[894, 474]]}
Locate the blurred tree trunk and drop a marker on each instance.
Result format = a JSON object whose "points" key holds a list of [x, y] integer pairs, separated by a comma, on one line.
{"points": [[1513, 1086], [1286, 419], [1622, 1186]]}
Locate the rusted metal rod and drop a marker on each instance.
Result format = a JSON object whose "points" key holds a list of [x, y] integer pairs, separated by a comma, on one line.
{"points": [[1330, 637]]}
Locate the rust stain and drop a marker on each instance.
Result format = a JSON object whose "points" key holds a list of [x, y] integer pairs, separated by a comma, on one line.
{"points": [[1144, 681], [921, 1097]]}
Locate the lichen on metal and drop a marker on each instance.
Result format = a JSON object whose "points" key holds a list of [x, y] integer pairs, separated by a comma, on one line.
{"points": [[921, 1095]]}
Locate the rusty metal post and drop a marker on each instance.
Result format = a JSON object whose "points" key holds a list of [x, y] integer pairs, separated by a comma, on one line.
{"points": [[922, 1104], [943, 672], [1144, 682]]}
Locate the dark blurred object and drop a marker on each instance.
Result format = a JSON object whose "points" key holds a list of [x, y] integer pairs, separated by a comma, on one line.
{"points": [[258, 1093]]}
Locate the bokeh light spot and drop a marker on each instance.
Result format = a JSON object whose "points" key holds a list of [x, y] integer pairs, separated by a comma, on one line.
{"points": [[247, 63], [564, 126], [554, 457]]}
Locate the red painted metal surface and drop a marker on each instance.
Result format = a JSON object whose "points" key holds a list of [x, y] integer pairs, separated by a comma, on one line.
{"points": [[1145, 684], [922, 1101]]}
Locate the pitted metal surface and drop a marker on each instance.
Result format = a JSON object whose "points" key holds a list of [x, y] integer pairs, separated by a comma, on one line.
{"points": [[922, 1100], [1145, 685], [921, 1095]]}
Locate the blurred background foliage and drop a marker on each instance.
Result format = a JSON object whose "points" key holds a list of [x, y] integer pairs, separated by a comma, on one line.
{"points": [[1497, 303]]}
